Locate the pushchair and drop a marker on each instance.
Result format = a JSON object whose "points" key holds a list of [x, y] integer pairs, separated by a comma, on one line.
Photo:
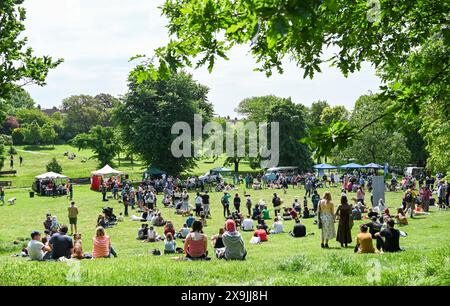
{"points": [[109, 215]]}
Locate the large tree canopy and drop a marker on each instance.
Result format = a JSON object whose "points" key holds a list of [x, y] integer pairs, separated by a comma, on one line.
{"points": [[292, 125], [150, 109], [18, 65]]}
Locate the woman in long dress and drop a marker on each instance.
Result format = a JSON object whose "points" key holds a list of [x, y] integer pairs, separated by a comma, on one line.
{"points": [[344, 211], [326, 219]]}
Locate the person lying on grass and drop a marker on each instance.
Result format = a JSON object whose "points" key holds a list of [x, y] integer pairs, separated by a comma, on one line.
{"points": [[196, 243], [234, 244]]}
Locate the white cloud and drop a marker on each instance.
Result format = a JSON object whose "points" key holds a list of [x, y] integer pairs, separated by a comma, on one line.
{"points": [[97, 37]]}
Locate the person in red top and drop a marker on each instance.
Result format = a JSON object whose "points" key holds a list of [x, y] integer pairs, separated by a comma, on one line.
{"points": [[196, 244], [169, 229], [261, 233], [293, 213]]}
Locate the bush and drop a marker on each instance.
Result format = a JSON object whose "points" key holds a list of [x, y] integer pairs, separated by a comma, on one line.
{"points": [[54, 166], [18, 136]]}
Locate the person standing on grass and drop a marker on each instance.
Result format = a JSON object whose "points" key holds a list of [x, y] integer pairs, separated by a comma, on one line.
{"points": [[69, 189], [237, 202], [205, 200], [198, 204], [20, 161], [2, 195], [104, 189], [226, 204], [344, 211], [410, 195], [73, 215], [249, 204], [11, 162], [315, 200], [326, 219], [276, 201]]}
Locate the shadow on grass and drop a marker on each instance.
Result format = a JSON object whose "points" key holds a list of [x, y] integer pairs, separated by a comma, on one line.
{"points": [[38, 148]]}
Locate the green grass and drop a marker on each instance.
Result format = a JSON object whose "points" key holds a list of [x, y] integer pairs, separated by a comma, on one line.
{"points": [[281, 261]]}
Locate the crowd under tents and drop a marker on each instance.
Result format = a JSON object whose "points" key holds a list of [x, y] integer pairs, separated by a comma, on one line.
{"points": [[50, 184], [104, 174], [350, 166]]}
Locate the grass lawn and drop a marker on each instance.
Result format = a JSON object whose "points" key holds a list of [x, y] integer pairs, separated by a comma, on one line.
{"points": [[281, 261]]}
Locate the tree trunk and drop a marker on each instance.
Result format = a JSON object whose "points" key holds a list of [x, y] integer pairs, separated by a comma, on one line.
{"points": [[236, 166]]}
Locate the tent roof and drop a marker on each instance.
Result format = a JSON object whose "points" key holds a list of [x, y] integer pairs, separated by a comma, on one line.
{"points": [[324, 166], [51, 175], [154, 171], [351, 166], [221, 169], [373, 165], [106, 170]]}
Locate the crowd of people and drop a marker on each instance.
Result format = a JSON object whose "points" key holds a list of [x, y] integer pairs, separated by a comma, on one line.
{"points": [[241, 214]]}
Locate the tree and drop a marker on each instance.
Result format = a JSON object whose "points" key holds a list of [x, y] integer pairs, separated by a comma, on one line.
{"points": [[4, 142], [334, 114], [32, 133], [83, 112], [408, 42], [18, 136], [149, 110], [18, 66], [314, 113], [48, 134], [54, 166], [291, 118], [101, 140], [20, 98], [378, 143]]}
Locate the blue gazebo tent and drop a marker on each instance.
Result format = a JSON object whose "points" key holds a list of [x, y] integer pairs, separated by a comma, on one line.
{"points": [[324, 167], [352, 166], [373, 166], [220, 170]]}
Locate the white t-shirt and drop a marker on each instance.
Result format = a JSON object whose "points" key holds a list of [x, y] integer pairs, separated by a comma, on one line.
{"points": [[247, 225], [198, 200], [35, 250], [278, 227]]}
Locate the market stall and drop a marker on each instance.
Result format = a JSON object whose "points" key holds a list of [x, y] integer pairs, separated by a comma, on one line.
{"points": [[105, 174], [50, 184]]}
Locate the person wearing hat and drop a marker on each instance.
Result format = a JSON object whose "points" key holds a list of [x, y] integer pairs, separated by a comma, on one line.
{"points": [[233, 242], [36, 249]]}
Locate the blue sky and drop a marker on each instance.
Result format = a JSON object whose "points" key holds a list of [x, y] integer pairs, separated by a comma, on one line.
{"points": [[97, 37]]}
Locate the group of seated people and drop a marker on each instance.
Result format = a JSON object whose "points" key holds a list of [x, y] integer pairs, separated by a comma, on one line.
{"points": [[386, 236], [50, 188], [59, 246]]}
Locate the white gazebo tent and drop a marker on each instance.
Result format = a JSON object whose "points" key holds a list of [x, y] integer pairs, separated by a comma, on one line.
{"points": [[98, 176], [42, 181]]}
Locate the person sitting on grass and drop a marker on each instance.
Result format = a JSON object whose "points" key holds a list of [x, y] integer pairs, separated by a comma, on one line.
{"points": [[102, 244], [286, 215], [372, 213], [247, 224], [190, 220], [233, 242], [277, 226], [265, 213], [36, 249], [261, 233], [159, 221], [307, 213], [299, 229], [256, 212], [296, 205], [61, 244], [391, 242], [78, 248], [196, 243], [217, 241], [364, 243], [152, 235], [184, 231], [294, 214], [169, 244], [143, 232], [356, 213], [169, 228], [48, 222], [401, 217]]}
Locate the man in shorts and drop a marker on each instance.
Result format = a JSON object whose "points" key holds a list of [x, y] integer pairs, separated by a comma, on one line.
{"points": [[73, 215]]}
